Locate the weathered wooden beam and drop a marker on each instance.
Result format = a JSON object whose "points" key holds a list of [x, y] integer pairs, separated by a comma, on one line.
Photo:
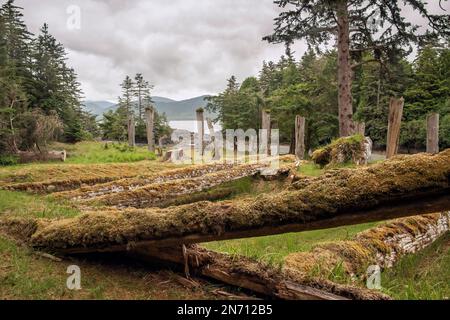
{"points": [[131, 131], [404, 186], [395, 120], [201, 129], [300, 123], [237, 271], [266, 127], [150, 119], [433, 133]]}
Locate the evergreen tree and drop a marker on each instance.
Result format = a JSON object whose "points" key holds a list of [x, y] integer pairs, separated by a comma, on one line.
{"points": [[361, 26]]}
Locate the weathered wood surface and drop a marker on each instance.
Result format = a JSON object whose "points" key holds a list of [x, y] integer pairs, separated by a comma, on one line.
{"points": [[300, 123], [395, 121], [131, 131], [201, 129], [403, 186], [251, 275], [31, 156], [433, 133], [150, 122], [266, 127]]}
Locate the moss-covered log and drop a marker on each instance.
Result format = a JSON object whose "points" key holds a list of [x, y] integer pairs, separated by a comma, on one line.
{"points": [[382, 245], [402, 186], [252, 275]]}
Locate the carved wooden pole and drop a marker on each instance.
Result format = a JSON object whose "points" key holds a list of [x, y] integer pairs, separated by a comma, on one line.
{"points": [[212, 134], [433, 133], [150, 117], [201, 129], [300, 137], [131, 131], [395, 121], [266, 129], [360, 128]]}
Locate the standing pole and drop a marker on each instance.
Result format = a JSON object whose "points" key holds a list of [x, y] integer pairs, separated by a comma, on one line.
{"points": [[201, 129], [433, 133], [150, 117], [266, 132], [395, 121], [131, 131], [300, 123]]}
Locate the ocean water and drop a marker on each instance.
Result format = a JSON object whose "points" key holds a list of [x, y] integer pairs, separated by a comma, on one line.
{"points": [[191, 125]]}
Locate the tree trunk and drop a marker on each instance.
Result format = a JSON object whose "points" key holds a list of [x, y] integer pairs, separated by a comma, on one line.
{"points": [[433, 133], [150, 115], [344, 71], [300, 137]]}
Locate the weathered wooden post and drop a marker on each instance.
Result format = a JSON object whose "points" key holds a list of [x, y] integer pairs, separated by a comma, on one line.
{"points": [[131, 131], [360, 128], [395, 121], [265, 124], [433, 133], [212, 134], [150, 119], [300, 123], [201, 129]]}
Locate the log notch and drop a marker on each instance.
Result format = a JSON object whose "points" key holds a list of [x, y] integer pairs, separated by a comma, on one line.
{"points": [[251, 275], [300, 123], [403, 186], [266, 127], [433, 133], [200, 113], [395, 120], [131, 131], [150, 121]]}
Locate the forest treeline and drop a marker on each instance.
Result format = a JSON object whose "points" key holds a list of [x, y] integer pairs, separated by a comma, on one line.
{"points": [[133, 102], [308, 87], [40, 97]]}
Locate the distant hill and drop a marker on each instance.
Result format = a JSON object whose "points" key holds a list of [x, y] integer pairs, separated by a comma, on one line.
{"points": [[175, 110], [99, 107]]}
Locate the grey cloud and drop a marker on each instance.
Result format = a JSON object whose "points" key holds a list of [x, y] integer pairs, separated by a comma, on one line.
{"points": [[183, 47]]}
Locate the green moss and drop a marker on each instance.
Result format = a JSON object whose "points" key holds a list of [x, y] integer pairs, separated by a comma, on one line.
{"points": [[349, 148], [335, 192]]}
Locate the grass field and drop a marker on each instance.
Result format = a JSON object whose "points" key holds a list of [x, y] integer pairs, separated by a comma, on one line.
{"points": [[424, 275]]}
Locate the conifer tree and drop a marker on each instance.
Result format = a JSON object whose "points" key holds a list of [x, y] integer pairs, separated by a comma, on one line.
{"points": [[360, 26]]}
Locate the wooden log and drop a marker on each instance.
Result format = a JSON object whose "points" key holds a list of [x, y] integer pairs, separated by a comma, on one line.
{"points": [[31, 156], [249, 274], [404, 186], [201, 129], [433, 133], [150, 119], [300, 123], [395, 119]]}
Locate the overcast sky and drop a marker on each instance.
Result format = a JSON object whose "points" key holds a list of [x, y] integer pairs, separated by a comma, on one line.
{"points": [[185, 48]]}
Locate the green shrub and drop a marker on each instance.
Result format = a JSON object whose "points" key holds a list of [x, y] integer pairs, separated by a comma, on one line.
{"points": [[8, 160]]}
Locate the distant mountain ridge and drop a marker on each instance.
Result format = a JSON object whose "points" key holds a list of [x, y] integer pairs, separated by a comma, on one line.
{"points": [[175, 110]]}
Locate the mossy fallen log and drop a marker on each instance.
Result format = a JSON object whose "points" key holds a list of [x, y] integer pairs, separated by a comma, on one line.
{"points": [[402, 186], [382, 245], [251, 275], [157, 194]]}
